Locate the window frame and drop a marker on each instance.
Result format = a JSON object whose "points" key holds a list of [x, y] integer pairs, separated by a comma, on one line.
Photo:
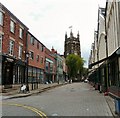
{"points": [[42, 48], [37, 58], [1, 18], [1, 42], [31, 55], [38, 45], [12, 28], [11, 47], [21, 32], [20, 51], [42, 60], [32, 40]]}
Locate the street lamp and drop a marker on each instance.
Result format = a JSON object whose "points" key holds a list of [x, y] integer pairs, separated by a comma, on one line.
{"points": [[27, 61]]}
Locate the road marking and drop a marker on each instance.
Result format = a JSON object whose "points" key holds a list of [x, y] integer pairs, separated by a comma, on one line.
{"points": [[40, 113]]}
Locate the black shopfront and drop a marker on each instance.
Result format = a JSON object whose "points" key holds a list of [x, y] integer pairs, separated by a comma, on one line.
{"points": [[13, 71], [109, 74]]}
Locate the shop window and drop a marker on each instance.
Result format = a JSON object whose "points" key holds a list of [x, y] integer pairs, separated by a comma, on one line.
{"points": [[51, 67], [34, 75], [42, 76], [30, 76], [47, 66], [38, 75], [113, 73], [20, 75]]}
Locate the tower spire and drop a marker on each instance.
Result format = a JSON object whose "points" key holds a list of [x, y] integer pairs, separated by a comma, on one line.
{"points": [[71, 34]]}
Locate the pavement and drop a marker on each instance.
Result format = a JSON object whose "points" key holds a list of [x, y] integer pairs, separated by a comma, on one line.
{"points": [[17, 94], [111, 104], [44, 87]]}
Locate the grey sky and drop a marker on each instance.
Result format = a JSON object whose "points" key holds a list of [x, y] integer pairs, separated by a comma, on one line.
{"points": [[48, 20]]}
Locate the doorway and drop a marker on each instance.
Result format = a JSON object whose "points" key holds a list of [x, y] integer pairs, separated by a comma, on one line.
{"points": [[8, 75]]}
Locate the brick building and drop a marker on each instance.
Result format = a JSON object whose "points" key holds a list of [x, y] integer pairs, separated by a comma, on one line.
{"points": [[36, 61], [50, 66], [23, 58], [60, 66], [13, 35], [65, 69]]}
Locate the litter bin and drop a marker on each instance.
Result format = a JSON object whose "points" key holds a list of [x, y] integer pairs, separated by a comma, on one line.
{"points": [[117, 106]]}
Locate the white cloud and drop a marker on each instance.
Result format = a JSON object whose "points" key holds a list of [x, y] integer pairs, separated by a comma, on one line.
{"points": [[48, 20]]}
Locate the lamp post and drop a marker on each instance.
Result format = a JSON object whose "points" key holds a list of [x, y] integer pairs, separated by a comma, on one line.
{"points": [[27, 60]]}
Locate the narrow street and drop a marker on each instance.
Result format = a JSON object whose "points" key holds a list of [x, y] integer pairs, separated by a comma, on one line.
{"points": [[76, 99], [45, 45]]}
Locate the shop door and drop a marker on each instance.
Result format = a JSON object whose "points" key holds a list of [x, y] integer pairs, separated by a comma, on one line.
{"points": [[8, 76]]}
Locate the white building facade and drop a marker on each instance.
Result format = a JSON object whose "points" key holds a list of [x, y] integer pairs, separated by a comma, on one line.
{"points": [[107, 72], [113, 41]]}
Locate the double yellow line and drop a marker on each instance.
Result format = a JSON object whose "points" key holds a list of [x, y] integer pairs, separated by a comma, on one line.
{"points": [[40, 113]]}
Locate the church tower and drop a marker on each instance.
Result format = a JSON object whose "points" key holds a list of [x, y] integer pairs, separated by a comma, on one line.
{"points": [[72, 45]]}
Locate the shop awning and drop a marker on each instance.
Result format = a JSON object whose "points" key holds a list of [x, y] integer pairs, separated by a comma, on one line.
{"points": [[116, 53]]}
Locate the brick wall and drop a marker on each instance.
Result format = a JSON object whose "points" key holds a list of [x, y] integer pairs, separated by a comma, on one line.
{"points": [[36, 51], [15, 36]]}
